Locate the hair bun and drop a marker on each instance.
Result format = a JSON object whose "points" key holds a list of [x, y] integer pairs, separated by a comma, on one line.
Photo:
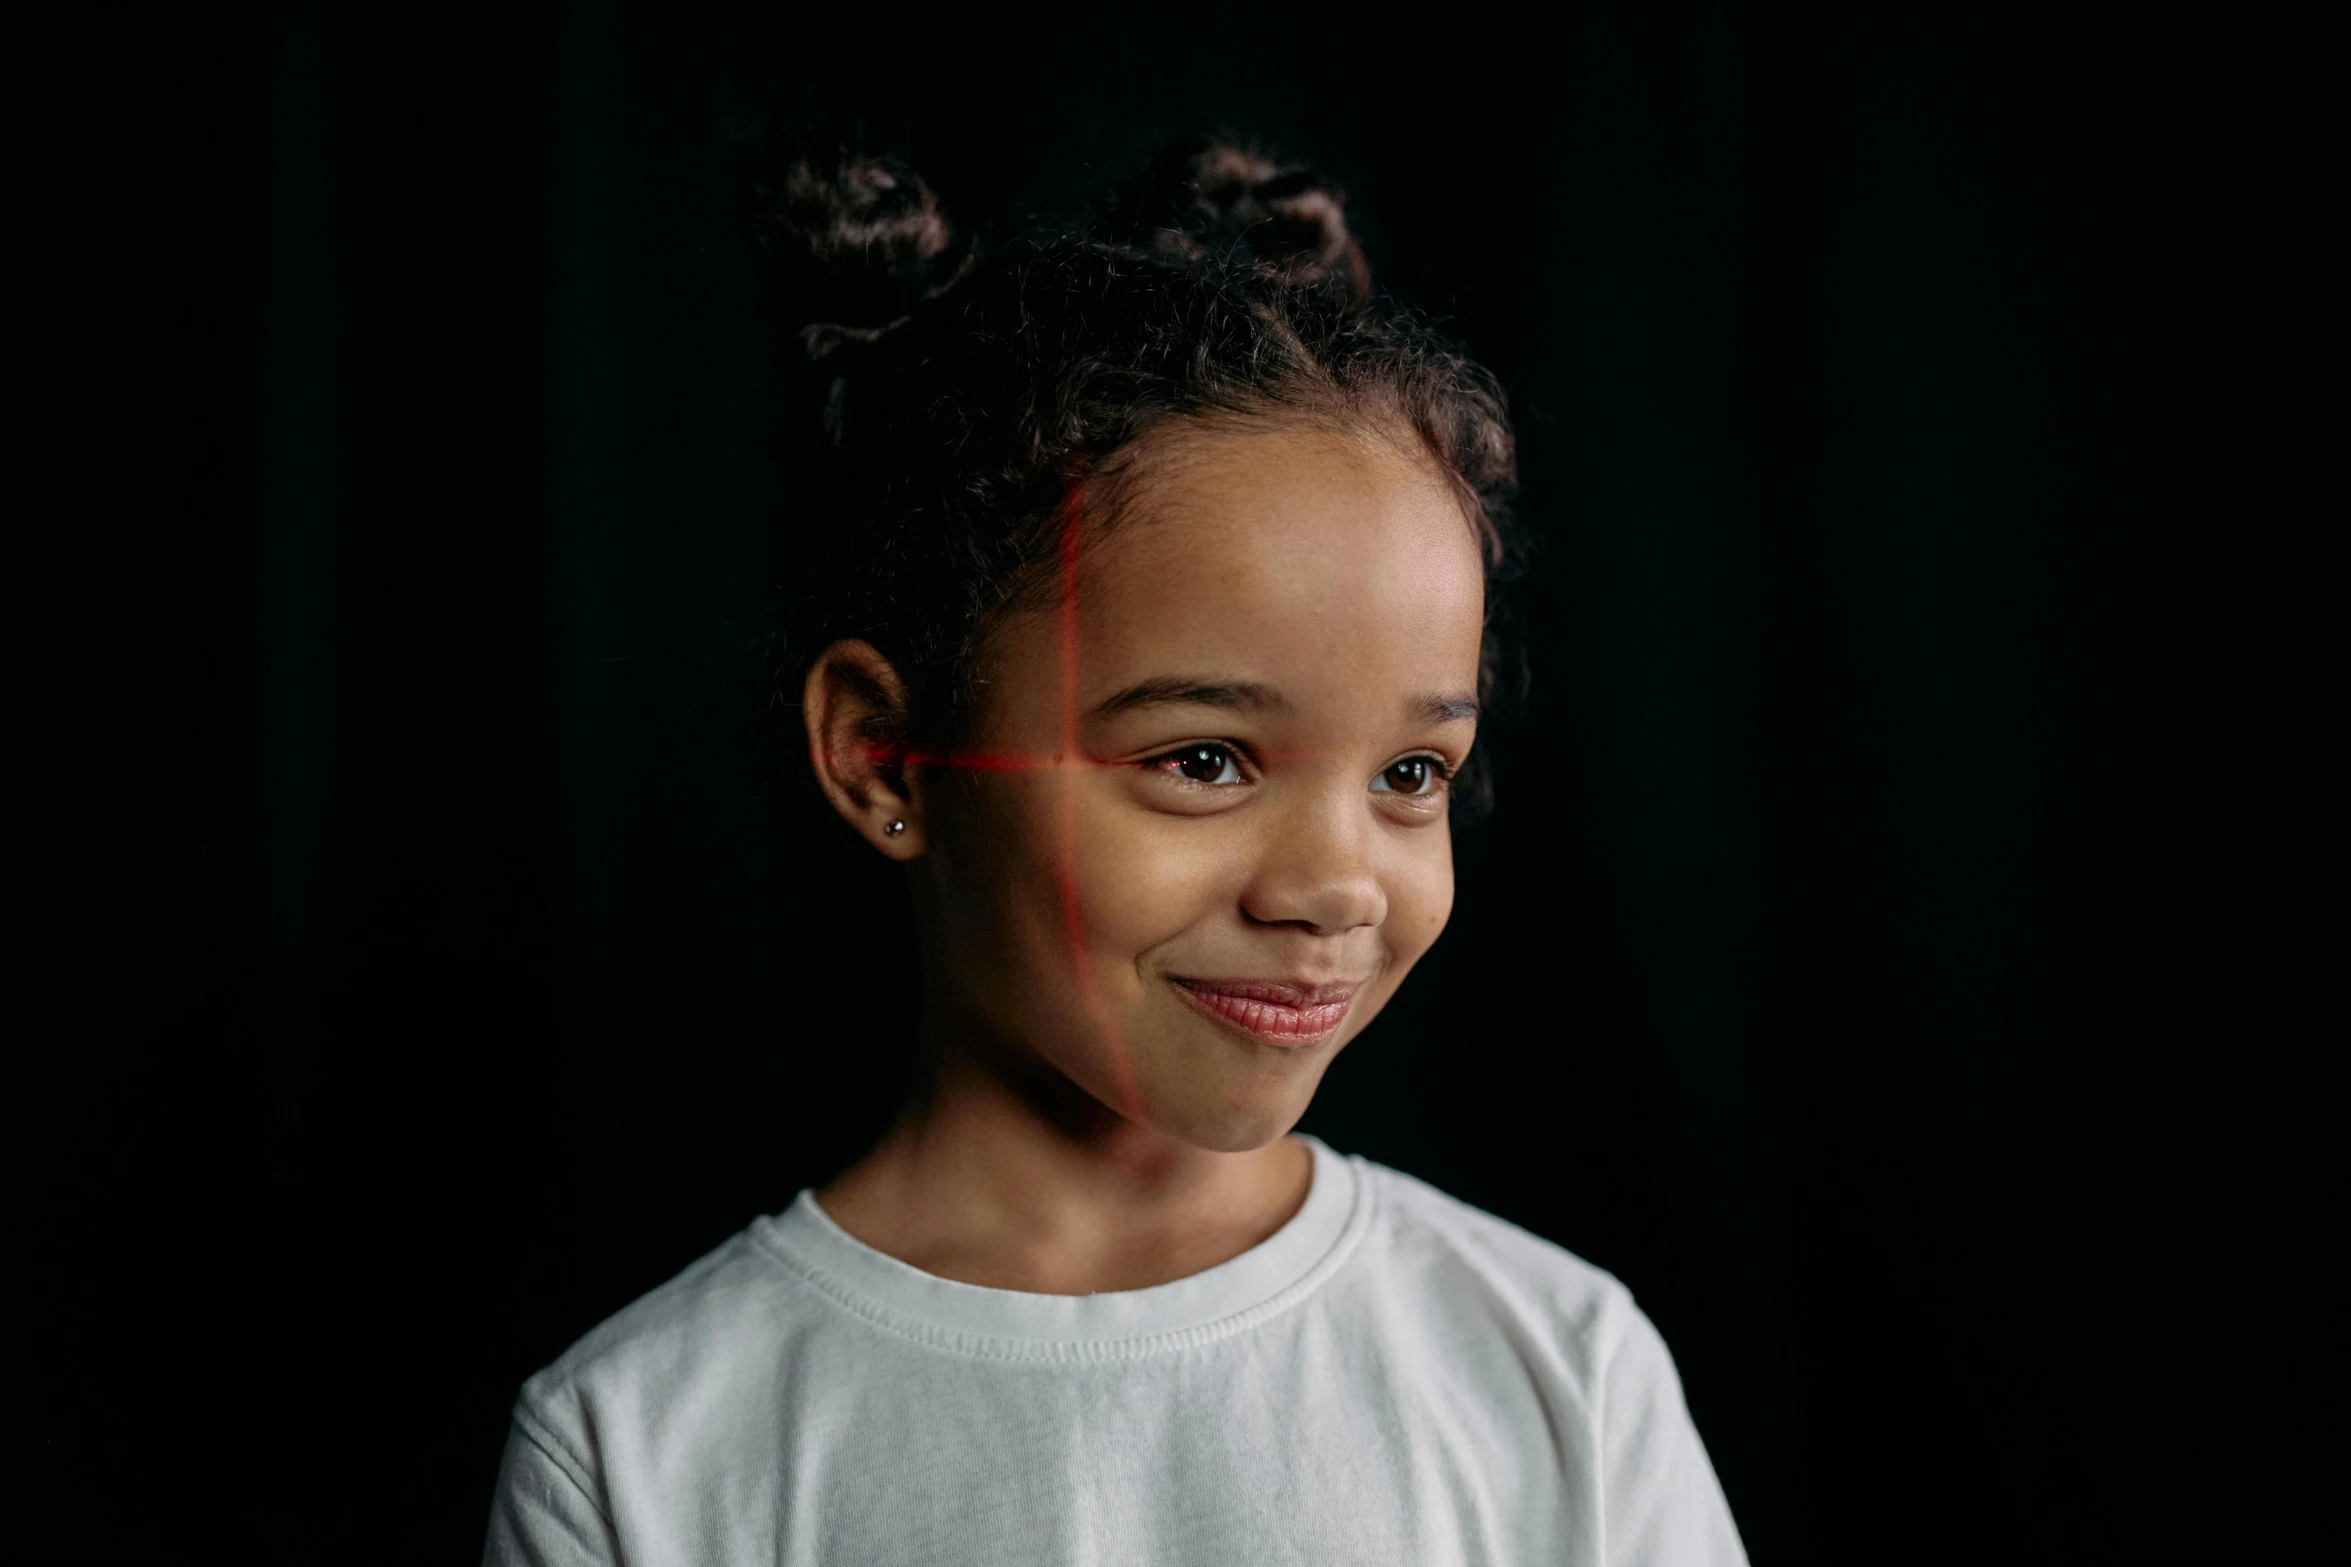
{"points": [[1204, 196], [852, 241]]}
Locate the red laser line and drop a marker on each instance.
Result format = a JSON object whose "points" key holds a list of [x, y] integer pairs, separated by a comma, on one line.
{"points": [[884, 754], [1122, 1072], [1067, 761]]}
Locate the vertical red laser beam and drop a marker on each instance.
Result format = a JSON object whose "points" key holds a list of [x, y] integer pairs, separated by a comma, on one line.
{"points": [[1071, 763]]}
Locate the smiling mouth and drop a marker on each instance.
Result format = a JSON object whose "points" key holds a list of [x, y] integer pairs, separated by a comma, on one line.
{"points": [[1272, 1012]]}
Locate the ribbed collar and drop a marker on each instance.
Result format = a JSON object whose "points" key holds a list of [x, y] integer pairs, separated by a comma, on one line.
{"points": [[1229, 1298]]}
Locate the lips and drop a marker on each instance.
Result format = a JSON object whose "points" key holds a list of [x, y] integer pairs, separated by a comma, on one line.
{"points": [[1272, 1011]]}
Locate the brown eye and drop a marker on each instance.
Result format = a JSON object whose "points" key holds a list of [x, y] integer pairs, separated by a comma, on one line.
{"points": [[1202, 764], [1413, 775]]}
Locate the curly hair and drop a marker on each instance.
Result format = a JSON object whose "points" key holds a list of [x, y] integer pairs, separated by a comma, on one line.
{"points": [[955, 411]]}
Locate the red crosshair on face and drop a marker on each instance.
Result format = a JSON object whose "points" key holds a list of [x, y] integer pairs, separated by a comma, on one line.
{"points": [[1068, 757], [1205, 835]]}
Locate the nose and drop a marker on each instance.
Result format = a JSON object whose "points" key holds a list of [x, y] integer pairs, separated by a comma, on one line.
{"points": [[1319, 868]]}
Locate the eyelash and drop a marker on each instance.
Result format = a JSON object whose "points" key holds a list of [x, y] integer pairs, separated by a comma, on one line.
{"points": [[1440, 776], [1168, 763]]}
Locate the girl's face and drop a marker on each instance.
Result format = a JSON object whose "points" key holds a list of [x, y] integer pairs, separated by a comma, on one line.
{"points": [[1198, 834]]}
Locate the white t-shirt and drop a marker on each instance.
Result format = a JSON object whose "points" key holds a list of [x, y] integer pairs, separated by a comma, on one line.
{"points": [[1393, 1377]]}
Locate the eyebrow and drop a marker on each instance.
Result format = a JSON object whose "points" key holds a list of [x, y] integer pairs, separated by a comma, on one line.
{"points": [[1446, 709], [1252, 696], [1242, 695]]}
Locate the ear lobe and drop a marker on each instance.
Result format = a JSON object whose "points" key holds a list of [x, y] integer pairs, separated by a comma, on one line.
{"points": [[855, 708]]}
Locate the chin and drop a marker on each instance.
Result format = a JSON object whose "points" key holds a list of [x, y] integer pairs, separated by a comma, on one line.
{"points": [[1231, 1128]]}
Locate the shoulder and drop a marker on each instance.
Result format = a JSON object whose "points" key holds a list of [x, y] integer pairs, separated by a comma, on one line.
{"points": [[1512, 1309], [1431, 1233], [675, 1350], [1462, 1261]]}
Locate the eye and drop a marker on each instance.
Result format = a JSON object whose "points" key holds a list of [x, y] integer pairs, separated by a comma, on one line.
{"points": [[1204, 763], [1421, 775]]}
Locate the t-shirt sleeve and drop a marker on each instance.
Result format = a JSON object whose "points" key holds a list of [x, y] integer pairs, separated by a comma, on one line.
{"points": [[1661, 1503], [546, 1512]]}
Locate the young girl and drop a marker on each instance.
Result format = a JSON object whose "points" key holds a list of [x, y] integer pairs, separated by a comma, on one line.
{"points": [[1152, 654]]}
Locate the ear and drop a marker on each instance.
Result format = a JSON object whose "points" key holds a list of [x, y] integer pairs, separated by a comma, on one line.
{"points": [[855, 707]]}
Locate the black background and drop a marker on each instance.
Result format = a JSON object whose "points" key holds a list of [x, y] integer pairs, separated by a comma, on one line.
{"points": [[1845, 967]]}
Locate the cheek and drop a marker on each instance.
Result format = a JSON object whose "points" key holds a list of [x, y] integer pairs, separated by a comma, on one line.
{"points": [[994, 864], [1030, 880], [1141, 878], [1420, 896]]}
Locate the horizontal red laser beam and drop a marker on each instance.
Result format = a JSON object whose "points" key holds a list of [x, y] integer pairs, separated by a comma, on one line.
{"points": [[882, 754]]}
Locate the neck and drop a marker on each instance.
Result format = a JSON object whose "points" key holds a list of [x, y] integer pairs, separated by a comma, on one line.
{"points": [[1004, 1173]]}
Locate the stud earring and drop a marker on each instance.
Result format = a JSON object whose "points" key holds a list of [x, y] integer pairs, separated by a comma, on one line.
{"points": [[895, 826]]}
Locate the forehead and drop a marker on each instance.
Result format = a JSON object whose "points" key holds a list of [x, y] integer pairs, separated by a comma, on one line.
{"points": [[1283, 508], [1285, 550]]}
